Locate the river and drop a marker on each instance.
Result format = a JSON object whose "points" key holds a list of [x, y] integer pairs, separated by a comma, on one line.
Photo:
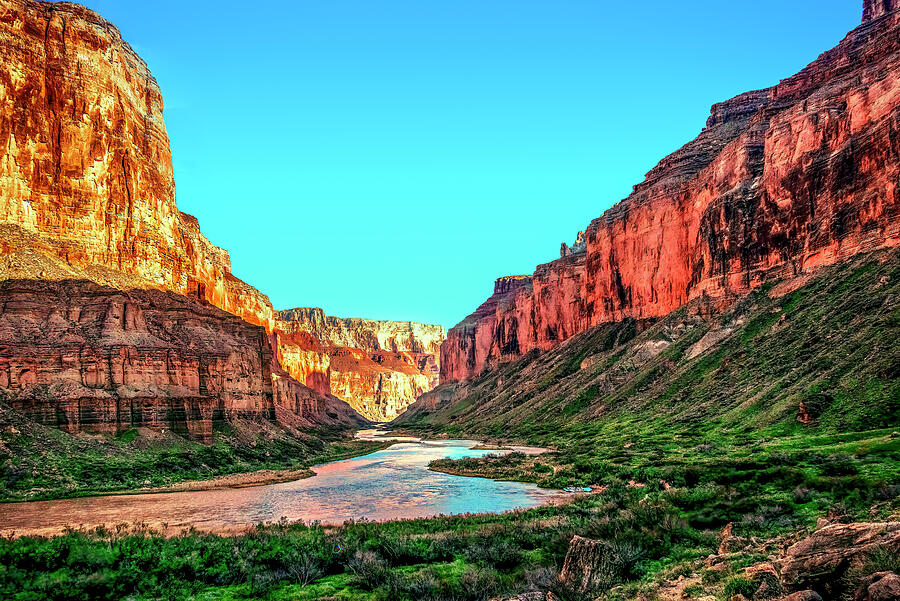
{"points": [[394, 483]]}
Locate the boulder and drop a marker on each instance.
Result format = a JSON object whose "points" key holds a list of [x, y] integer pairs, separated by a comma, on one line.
{"points": [[581, 572], [826, 554], [880, 586], [729, 543], [765, 577]]}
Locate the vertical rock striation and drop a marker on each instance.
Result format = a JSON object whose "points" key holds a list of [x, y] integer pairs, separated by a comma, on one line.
{"points": [[875, 9], [86, 162], [781, 181]]}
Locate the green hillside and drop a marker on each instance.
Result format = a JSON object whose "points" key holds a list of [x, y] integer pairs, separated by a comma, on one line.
{"points": [[700, 389]]}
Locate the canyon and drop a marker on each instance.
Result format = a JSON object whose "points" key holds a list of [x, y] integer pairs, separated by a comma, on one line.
{"points": [[780, 183], [378, 367], [87, 194]]}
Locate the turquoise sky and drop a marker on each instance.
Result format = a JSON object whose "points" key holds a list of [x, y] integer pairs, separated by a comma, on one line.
{"points": [[390, 159]]}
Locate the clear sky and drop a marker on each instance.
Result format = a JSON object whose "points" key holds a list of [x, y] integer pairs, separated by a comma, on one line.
{"points": [[391, 158]]}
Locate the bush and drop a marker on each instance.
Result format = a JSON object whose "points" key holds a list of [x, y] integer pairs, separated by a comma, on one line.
{"points": [[303, 567], [369, 570], [501, 553]]}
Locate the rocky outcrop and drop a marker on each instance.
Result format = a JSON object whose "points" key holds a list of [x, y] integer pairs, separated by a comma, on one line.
{"points": [[782, 181], [579, 246], [827, 553], [84, 357], [378, 367], [875, 9], [880, 586]]}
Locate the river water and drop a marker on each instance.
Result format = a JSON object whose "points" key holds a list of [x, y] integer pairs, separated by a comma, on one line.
{"points": [[393, 483]]}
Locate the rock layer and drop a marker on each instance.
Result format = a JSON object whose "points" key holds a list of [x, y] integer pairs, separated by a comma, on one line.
{"points": [[826, 553], [781, 181], [84, 357], [379, 367]]}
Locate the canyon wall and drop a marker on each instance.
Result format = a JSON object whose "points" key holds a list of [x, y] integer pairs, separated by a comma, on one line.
{"points": [[875, 9], [781, 181], [87, 192], [84, 357], [379, 367], [86, 162]]}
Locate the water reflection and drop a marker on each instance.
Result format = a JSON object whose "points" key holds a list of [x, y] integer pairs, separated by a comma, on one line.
{"points": [[390, 484]]}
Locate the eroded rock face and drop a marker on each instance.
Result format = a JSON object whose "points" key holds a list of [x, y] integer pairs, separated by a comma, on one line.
{"points": [[875, 9], [782, 181], [84, 357], [880, 586], [581, 572], [378, 367]]}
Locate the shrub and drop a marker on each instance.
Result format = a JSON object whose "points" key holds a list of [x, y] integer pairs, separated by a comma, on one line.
{"points": [[494, 550], [369, 570], [303, 567]]}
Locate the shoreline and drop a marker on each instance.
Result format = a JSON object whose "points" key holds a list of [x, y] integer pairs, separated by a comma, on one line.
{"points": [[550, 498], [261, 477]]}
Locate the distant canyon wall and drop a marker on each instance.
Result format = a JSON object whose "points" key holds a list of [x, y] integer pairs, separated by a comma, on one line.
{"points": [[781, 181], [379, 367]]}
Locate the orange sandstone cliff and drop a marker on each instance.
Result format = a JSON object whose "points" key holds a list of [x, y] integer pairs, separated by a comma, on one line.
{"points": [[86, 165], [87, 197], [781, 181]]}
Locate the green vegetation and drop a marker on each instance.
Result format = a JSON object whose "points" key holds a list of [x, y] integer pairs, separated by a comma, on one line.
{"points": [[652, 535], [465, 557], [799, 385], [38, 462], [782, 410]]}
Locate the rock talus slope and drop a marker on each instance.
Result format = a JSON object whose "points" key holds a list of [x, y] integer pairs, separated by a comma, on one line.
{"points": [[780, 182]]}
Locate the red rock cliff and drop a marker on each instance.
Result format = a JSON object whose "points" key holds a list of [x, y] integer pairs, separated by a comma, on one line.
{"points": [[781, 180], [86, 162], [84, 357], [87, 194], [87, 190]]}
